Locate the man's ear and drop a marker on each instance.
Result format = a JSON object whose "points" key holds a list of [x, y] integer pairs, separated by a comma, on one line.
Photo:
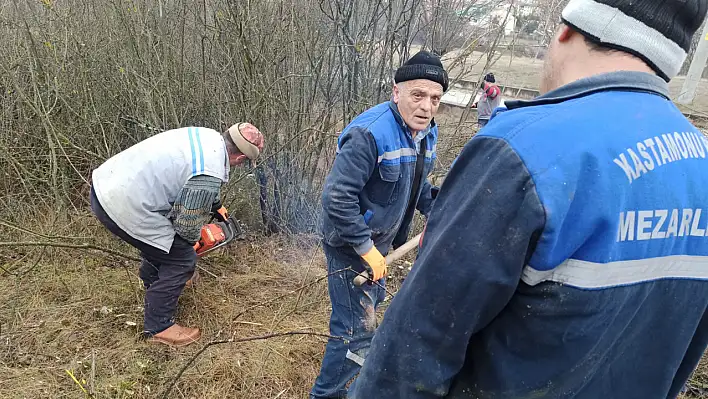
{"points": [[396, 93], [237, 159], [565, 33]]}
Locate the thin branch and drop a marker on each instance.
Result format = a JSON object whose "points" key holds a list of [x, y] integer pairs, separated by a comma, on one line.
{"points": [[235, 341], [377, 283], [12, 226], [258, 305], [62, 245]]}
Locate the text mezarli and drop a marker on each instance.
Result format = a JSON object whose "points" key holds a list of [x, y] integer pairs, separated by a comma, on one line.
{"points": [[645, 157]]}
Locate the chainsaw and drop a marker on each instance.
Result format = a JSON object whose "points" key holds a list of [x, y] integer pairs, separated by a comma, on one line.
{"points": [[216, 235]]}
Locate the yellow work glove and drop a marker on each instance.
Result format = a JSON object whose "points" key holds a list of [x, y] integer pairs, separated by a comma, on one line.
{"points": [[376, 262]]}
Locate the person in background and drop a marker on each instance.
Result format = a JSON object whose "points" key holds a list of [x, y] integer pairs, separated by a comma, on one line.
{"points": [[489, 100]]}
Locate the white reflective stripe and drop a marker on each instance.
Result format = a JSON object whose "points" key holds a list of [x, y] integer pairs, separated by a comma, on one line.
{"points": [[611, 25], [355, 358], [582, 274], [402, 152]]}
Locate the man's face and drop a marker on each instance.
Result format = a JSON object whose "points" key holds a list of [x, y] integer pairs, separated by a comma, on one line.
{"points": [[418, 101]]}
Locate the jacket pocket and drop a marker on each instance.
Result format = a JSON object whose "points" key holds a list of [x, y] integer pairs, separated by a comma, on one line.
{"points": [[382, 186]]}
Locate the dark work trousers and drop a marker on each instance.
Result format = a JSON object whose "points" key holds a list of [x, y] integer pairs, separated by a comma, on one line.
{"points": [[164, 274]]}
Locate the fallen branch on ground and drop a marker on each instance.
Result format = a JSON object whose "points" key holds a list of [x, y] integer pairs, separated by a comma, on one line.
{"points": [[258, 305], [26, 230], [62, 245], [299, 289], [235, 341]]}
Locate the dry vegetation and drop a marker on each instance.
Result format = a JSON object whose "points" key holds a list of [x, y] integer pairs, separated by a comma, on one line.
{"points": [[79, 313], [83, 79]]}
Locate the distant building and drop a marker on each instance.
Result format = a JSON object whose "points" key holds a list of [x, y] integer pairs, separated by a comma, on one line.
{"points": [[487, 13]]}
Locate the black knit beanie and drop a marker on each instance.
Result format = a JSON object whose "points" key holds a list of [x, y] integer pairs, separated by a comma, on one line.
{"points": [[657, 31], [424, 65]]}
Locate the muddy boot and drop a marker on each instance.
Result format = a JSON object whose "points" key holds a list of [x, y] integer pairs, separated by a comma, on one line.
{"points": [[196, 278], [176, 336]]}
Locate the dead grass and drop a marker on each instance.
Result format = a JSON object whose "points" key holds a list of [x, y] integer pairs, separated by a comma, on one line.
{"points": [[697, 387], [80, 312], [79, 306]]}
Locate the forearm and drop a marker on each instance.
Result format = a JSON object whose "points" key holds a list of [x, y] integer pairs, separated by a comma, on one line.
{"points": [[192, 208]]}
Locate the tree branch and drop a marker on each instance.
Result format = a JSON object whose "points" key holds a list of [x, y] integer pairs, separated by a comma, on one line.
{"points": [[62, 245], [12, 226], [235, 341], [292, 292]]}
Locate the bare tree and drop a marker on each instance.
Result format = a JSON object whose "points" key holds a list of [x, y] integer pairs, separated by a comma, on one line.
{"points": [[84, 79]]}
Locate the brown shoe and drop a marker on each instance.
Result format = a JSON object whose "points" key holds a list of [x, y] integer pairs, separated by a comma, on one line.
{"points": [[192, 282], [176, 336]]}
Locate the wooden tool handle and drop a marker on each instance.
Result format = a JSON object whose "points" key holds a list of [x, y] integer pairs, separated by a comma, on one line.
{"points": [[363, 277]]}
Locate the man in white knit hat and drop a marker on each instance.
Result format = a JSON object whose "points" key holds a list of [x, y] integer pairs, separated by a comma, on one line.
{"points": [[156, 195]]}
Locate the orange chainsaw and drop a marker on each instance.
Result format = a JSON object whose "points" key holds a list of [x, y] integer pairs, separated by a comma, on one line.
{"points": [[216, 235]]}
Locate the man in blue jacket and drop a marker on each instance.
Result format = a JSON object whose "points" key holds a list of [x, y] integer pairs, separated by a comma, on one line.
{"points": [[378, 180], [566, 255]]}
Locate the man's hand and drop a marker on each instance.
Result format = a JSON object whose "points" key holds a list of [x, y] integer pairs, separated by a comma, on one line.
{"points": [[376, 263], [219, 211]]}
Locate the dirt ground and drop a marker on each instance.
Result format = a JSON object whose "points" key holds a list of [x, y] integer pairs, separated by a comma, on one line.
{"points": [[80, 313]]}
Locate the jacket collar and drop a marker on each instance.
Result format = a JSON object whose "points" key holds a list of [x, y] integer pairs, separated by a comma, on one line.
{"points": [[622, 80]]}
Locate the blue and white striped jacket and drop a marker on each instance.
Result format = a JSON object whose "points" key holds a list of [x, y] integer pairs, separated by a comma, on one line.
{"points": [[367, 191]]}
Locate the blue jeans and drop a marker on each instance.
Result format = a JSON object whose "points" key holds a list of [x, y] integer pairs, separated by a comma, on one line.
{"points": [[353, 318]]}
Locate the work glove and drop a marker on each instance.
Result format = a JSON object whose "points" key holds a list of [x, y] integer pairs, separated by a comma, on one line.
{"points": [[219, 211], [375, 264]]}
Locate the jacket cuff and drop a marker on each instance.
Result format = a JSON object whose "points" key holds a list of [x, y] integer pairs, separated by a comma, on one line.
{"points": [[365, 247]]}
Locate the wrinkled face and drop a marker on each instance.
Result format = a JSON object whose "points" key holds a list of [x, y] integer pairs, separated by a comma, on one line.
{"points": [[418, 101]]}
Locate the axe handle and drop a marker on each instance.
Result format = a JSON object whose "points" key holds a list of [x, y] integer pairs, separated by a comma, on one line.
{"points": [[363, 277]]}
